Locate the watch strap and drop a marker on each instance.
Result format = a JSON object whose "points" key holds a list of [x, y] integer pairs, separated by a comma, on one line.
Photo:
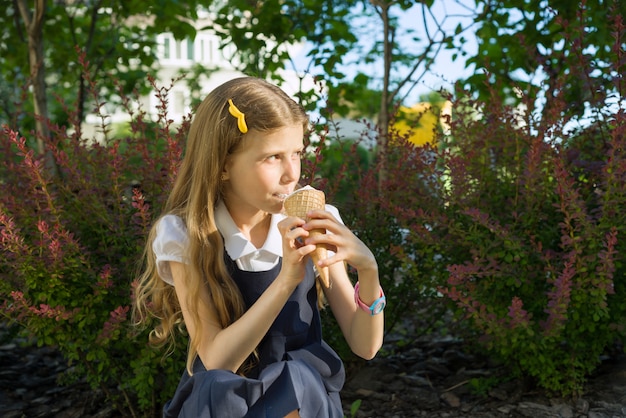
{"points": [[376, 307]]}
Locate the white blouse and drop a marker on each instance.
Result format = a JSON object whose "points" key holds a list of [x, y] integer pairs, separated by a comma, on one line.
{"points": [[171, 243]]}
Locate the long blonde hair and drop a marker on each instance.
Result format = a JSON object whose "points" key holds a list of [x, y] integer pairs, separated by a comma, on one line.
{"points": [[213, 136]]}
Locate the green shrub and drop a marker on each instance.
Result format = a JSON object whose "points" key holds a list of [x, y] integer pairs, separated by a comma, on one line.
{"points": [[70, 240], [534, 218], [538, 269], [518, 217]]}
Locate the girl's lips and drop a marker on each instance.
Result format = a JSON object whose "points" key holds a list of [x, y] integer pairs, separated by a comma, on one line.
{"points": [[282, 195]]}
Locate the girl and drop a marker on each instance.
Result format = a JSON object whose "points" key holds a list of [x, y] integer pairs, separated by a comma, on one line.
{"points": [[224, 261]]}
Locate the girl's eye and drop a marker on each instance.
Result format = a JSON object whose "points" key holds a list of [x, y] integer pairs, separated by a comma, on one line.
{"points": [[297, 154]]}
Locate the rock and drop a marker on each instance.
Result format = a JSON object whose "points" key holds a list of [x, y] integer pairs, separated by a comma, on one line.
{"points": [[582, 406], [598, 414], [533, 409], [451, 399], [416, 380], [563, 410], [506, 409], [425, 399], [499, 393]]}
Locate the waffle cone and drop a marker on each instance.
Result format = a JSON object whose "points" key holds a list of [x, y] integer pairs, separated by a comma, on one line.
{"points": [[299, 204]]}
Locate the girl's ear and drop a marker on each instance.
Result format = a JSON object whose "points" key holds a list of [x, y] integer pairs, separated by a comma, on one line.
{"points": [[225, 171]]}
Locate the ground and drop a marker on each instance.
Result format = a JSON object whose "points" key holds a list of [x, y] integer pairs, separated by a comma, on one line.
{"points": [[433, 377], [436, 378]]}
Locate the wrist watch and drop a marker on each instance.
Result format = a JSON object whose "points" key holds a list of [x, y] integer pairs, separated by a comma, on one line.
{"points": [[376, 307]]}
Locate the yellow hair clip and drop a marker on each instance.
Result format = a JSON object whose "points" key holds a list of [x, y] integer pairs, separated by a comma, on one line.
{"points": [[241, 118]]}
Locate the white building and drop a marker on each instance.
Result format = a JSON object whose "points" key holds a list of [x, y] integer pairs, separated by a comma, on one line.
{"points": [[175, 57], [207, 51]]}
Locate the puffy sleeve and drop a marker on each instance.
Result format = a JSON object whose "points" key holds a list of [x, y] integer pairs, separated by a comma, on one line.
{"points": [[335, 212], [170, 244]]}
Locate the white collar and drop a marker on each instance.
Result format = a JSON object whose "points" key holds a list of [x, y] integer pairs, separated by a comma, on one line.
{"points": [[236, 244]]}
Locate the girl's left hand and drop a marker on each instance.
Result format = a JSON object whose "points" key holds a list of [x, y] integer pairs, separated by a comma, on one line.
{"points": [[339, 239]]}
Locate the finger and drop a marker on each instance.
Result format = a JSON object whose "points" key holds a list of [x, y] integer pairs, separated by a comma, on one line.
{"points": [[306, 249], [299, 255], [321, 214], [288, 224], [290, 221], [327, 262], [330, 241], [329, 224], [297, 233]]}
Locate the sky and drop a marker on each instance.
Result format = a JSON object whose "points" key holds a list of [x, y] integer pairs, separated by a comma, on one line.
{"points": [[444, 72], [447, 14]]}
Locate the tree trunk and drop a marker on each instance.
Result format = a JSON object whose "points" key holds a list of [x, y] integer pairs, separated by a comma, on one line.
{"points": [[34, 28], [383, 115]]}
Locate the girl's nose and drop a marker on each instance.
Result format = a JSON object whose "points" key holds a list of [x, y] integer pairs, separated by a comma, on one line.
{"points": [[291, 170]]}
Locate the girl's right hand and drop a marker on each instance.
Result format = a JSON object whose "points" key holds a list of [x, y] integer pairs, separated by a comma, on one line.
{"points": [[294, 251]]}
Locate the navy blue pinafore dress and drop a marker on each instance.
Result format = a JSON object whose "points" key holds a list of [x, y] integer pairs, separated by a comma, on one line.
{"points": [[297, 370]]}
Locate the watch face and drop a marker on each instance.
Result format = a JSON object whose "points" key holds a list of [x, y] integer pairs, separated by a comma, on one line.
{"points": [[378, 306]]}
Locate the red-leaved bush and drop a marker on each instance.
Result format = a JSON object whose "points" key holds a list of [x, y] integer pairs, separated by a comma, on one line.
{"points": [[517, 217], [72, 228]]}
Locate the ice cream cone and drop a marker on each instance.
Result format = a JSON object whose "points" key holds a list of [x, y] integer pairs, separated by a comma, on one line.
{"points": [[299, 203]]}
